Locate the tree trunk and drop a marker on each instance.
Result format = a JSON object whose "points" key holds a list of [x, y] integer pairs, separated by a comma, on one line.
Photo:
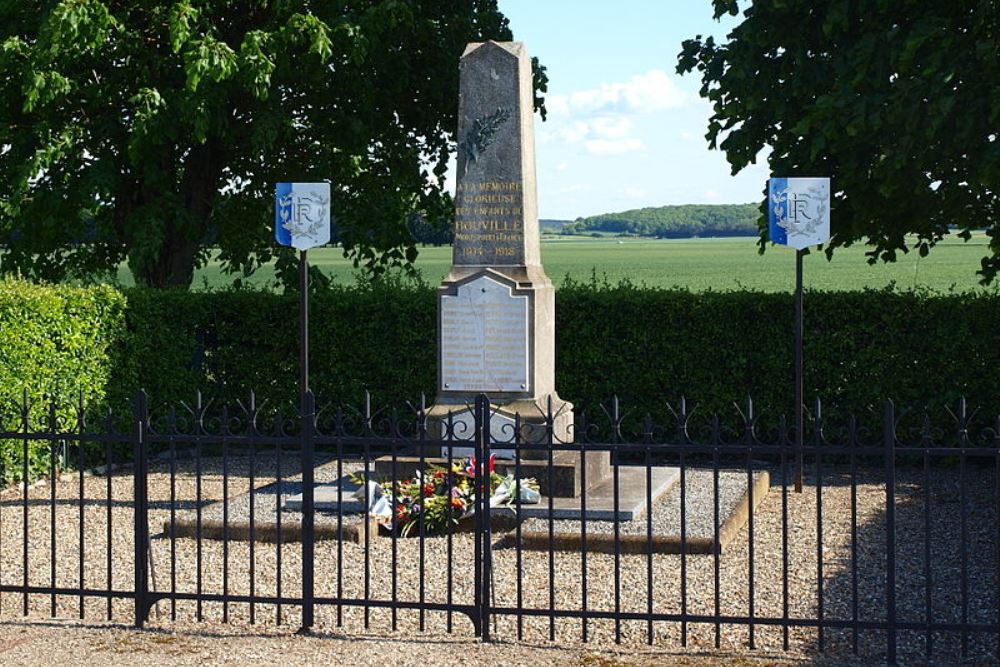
{"points": [[173, 263]]}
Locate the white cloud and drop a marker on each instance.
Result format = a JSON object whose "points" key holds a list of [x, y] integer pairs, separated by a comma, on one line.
{"points": [[613, 146], [601, 127], [610, 127], [634, 193], [573, 132], [643, 93], [557, 105], [562, 166], [601, 118]]}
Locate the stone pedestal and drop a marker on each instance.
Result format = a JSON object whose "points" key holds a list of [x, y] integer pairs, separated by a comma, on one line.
{"points": [[496, 307], [497, 336]]}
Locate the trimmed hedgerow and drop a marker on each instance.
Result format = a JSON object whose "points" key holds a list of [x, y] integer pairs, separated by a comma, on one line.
{"points": [[377, 338], [57, 345], [650, 345], [646, 345]]}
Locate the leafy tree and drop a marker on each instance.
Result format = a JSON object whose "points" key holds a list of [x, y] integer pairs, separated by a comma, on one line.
{"points": [[897, 100], [153, 131], [434, 232]]}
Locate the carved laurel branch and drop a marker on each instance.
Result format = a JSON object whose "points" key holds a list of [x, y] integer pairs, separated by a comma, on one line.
{"points": [[483, 132]]}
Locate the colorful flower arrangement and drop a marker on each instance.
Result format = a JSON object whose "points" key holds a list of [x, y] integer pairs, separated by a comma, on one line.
{"points": [[440, 496]]}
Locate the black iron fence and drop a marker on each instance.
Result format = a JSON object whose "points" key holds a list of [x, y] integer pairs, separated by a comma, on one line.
{"points": [[251, 514]]}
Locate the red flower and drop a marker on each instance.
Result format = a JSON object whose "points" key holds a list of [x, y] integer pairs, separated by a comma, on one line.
{"points": [[401, 512], [470, 465], [428, 489], [457, 503]]}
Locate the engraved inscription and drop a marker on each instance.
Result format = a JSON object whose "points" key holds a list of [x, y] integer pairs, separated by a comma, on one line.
{"points": [[484, 338], [489, 223]]}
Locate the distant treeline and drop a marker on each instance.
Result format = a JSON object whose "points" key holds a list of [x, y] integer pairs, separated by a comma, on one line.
{"points": [[673, 221], [670, 222]]}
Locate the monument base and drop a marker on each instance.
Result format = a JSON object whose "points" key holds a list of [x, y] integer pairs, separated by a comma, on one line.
{"points": [[521, 419], [569, 477], [600, 503]]}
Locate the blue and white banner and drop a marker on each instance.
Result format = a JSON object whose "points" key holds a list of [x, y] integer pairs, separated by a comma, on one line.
{"points": [[302, 214], [799, 211]]}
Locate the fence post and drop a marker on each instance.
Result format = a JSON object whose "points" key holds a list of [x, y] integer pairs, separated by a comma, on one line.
{"points": [[308, 510], [889, 443], [483, 534], [141, 522]]}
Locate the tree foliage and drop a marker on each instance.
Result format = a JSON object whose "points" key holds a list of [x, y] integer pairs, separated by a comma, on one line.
{"points": [[673, 222], [432, 232], [153, 131], [896, 99]]}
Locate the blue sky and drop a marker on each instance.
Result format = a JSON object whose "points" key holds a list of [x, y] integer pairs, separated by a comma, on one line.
{"points": [[623, 130]]}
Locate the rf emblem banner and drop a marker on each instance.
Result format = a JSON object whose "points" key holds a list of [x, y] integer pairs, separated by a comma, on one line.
{"points": [[799, 211], [302, 214]]}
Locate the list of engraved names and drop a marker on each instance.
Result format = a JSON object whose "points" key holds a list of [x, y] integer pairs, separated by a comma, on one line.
{"points": [[489, 223], [484, 338]]}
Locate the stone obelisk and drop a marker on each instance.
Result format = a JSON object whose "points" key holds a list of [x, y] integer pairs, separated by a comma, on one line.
{"points": [[496, 307]]}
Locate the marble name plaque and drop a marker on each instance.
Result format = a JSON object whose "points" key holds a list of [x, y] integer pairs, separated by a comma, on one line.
{"points": [[484, 338]]}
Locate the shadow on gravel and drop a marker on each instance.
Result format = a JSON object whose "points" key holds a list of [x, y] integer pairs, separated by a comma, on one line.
{"points": [[947, 567]]}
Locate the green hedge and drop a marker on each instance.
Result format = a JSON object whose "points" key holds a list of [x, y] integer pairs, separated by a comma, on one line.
{"points": [[57, 344], [648, 346], [226, 343]]}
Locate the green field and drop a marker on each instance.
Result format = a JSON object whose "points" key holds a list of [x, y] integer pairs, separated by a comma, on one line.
{"points": [[698, 264]]}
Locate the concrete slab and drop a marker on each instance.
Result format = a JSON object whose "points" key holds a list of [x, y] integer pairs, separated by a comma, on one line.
{"points": [[738, 501], [328, 497], [600, 500], [232, 520]]}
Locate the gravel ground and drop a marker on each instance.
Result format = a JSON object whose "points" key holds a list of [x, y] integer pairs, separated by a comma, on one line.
{"points": [[40, 643], [387, 561]]}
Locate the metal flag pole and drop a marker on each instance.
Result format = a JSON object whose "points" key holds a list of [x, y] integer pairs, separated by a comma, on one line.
{"points": [[307, 410], [302, 221], [798, 217], [303, 326], [799, 372]]}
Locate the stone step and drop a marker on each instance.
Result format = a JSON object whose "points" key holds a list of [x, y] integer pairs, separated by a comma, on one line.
{"points": [[564, 480]]}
